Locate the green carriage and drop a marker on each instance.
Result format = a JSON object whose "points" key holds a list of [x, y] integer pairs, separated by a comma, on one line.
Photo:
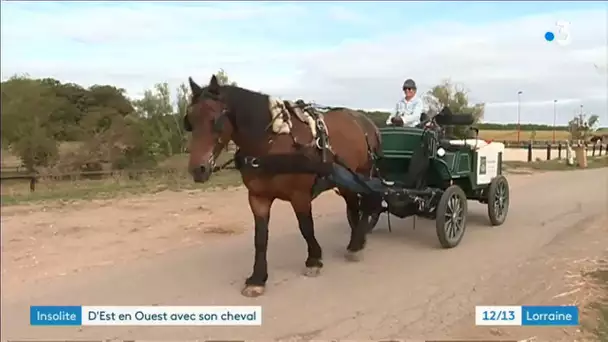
{"points": [[423, 173]]}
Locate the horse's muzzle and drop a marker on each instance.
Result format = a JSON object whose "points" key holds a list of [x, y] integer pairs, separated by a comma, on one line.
{"points": [[201, 174]]}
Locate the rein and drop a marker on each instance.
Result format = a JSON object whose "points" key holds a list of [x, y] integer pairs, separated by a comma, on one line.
{"points": [[224, 165], [321, 143], [218, 143]]}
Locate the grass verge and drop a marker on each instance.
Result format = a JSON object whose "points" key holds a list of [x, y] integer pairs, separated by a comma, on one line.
{"points": [[597, 325], [120, 185], [171, 176]]}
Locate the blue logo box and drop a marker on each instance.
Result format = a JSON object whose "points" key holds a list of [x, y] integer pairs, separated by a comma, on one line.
{"points": [[56, 315], [549, 315]]}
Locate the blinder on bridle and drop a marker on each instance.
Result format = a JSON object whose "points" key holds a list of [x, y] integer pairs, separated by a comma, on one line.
{"points": [[218, 123]]}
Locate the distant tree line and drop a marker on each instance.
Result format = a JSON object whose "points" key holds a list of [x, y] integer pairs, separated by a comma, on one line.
{"points": [[109, 128], [102, 122]]}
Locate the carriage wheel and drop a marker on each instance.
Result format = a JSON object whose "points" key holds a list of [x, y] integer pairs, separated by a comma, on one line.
{"points": [[369, 220], [451, 221], [498, 200]]}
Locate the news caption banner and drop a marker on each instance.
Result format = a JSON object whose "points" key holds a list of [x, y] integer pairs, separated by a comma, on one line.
{"points": [[252, 315], [145, 315], [527, 315]]}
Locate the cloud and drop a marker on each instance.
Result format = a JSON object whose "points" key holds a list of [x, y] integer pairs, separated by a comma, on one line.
{"points": [[354, 55], [494, 61], [111, 23], [342, 13]]}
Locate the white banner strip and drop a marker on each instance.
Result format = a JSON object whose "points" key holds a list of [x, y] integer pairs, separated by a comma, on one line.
{"points": [[172, 315]]}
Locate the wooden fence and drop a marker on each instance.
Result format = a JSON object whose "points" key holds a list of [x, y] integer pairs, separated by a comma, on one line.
{"points": [[595, 150], [20, 173]]}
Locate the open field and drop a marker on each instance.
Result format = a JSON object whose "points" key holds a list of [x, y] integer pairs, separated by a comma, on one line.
{"points": [[510, 135]]}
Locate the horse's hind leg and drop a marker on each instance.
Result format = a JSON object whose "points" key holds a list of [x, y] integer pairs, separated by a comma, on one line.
{"points": [[256, 283], [302, 206], [354, 250]]}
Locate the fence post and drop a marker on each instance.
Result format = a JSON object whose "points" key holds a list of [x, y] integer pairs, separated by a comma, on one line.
{"points": [[601, 146], [33, 182], [529, 152], [548, 151], [559, 151]]}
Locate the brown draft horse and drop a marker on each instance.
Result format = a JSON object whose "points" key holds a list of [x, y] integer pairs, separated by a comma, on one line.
{"points": [[276, 166]]}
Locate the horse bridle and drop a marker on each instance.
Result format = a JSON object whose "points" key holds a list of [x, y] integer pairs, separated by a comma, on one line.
{"points": [[217, 128], [218, 125]]}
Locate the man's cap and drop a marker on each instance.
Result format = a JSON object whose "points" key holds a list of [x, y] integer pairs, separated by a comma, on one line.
{"points": [[409, 83]]}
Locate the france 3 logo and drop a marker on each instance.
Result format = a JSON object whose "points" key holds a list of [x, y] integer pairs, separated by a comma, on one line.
{"points": [[561, 34]]}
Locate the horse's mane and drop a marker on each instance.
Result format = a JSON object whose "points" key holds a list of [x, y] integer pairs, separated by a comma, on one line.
{"points": [[249, 109]]}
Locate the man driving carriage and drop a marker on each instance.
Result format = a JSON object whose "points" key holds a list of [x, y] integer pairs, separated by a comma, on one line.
{"points": [[408, 109]]}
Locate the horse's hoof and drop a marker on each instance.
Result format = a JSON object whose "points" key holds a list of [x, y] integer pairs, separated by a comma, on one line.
{"points": [[312, 271], [354, 256], [253, 291]]}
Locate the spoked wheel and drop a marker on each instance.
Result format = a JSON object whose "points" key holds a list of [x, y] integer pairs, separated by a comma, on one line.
{"points": [[498, 200], [451, 221]]}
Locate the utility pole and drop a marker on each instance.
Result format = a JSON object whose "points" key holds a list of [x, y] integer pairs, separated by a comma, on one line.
{"points": [[581, 124], [554, 118], [518, 114]]}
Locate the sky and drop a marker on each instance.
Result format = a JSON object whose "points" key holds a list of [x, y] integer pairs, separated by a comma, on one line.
{"points": [[351, 54]]}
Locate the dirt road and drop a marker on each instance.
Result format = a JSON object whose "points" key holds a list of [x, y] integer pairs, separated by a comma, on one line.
{"points": [[196, 249]]}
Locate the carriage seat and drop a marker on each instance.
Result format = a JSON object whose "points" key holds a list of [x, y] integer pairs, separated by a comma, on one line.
{"points": [[472, 143]]}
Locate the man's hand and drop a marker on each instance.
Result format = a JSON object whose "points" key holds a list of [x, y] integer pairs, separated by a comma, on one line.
{"points": [[397, 121]]}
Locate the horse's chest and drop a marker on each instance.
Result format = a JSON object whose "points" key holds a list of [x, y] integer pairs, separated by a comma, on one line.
{"points": [[278, 186]]}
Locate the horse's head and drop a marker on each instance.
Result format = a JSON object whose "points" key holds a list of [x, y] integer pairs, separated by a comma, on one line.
{"points": [[208, 120]]}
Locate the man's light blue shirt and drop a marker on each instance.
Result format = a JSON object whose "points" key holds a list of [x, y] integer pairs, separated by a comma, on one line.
{"points": [[408, 111]]}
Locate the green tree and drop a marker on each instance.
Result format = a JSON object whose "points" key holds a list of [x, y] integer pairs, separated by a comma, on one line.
{"points": [[111, 97], [581, 127], [28, 107], [156, 102], [159, 124], [456, 98], [379, 118], [223, 78], [183, 97]]}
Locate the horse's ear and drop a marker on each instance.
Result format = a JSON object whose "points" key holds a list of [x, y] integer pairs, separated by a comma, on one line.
{"points": [[196, 89], [214, 84]]}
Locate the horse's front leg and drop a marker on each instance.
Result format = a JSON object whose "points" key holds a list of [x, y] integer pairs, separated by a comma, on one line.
{"points": [[256, 283], [302, 206]]}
